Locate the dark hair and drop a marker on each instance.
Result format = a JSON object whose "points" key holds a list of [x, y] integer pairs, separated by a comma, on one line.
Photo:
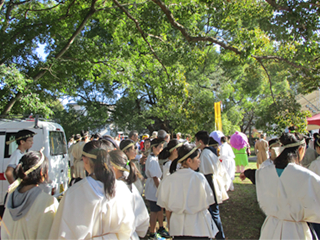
{"points": [[28, 161], [96, 135], [203, 136], [132, 133], [84, 134], [184, 150], [120, 159], [101, 166], [164, 154], [156, 142], [317, 143], [272, 141], [23, 133], [125, 143], [292, 129], [77, 137], [147, 139], [108, 141], [289, 154], [212, 141], [223, 139]]}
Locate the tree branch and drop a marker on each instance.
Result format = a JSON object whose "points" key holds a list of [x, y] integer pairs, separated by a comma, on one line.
{"points": [[281, 59], [270, 83], [143, 34], [278, 7], [185, 33], [92, 10]]}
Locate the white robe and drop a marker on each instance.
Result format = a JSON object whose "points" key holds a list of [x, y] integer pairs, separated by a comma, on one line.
{"points": [[76, 152], [289, 201], [36, 224], [315, 166], [188, 196], [85, 212], [227, 156], [209, 164], [152, 170], [266, 163], [141, 222]]}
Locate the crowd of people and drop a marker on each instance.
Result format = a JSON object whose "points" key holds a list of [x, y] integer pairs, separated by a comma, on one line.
{"points": [[122, 189]]}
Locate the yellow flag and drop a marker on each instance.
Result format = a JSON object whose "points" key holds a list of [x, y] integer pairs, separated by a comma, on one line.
{"points": [[217, 116]]}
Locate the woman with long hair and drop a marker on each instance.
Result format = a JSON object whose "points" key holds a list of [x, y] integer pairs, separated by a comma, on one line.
{"points": [[29, 211], [130, 149], [168, 154], [125, 171], [97, 206], [187, 195], [288, 193]]}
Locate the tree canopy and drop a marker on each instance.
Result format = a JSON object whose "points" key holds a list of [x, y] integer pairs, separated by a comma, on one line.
{"points": [[159, 64]]}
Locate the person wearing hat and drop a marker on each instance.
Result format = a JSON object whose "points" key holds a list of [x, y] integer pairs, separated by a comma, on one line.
{"points": [[24, 139]]}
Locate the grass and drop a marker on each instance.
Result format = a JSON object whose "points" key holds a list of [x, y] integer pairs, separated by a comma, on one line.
{"points": [[240, 215]]}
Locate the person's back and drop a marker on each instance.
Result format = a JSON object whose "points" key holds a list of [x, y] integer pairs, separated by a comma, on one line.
{"points": [[29, 211], [288, 201], [288, 193]]}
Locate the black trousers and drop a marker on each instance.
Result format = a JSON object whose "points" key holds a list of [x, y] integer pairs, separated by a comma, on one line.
{"points": [[214, 210]]}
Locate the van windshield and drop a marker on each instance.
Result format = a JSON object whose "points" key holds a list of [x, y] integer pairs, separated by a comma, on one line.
{"points": [[58, 145]]}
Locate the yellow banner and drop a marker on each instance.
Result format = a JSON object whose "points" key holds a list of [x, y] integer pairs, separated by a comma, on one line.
{"points": [[217, 116]]}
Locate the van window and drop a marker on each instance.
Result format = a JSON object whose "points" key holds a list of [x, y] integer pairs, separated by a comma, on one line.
{"points": [[57, 143], [9, 149]]}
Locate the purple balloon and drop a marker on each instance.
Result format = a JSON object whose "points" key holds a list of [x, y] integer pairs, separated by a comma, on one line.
{"points": [[239, 140]]}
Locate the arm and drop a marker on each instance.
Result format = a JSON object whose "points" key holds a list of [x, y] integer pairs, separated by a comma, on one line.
{"points": [[156, 181], [9, 174], [249, 173]]}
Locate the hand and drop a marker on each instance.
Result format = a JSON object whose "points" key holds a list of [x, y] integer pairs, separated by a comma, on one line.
{"points": [[242, 176]]}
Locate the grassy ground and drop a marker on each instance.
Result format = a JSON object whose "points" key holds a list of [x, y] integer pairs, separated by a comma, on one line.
{"points": [[240, 215]]}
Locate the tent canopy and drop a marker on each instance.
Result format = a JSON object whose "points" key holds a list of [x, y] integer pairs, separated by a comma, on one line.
{"points": [[313, 122]]}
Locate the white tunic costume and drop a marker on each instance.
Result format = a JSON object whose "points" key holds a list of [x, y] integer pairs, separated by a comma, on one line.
{"points": [[35, 224], [152, 170], [76, 152], [85, 212], [188, 196], [227, 156], [209, 164], [315, 166], [266, 163], [289, 201], [141, 223]]}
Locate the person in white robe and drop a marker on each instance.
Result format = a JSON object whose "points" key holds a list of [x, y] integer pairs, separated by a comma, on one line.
{"points": [[126, 172], [77, 166], [153, 172], [97, 206], [287, 193], [209, 168], [187, 195], [227, 157], [315, 165], [128, 146], [29, 211]]}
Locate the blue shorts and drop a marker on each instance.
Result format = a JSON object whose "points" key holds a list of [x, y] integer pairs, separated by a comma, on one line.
{"points": [[153, 206]]}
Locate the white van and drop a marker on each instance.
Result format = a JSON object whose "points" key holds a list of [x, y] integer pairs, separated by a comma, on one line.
{"points": [[49, 135]]}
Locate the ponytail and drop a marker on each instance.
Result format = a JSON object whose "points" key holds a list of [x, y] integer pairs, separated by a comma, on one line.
{"points": [[100, 163], [166, 152], [120, 161], [185, 151]]}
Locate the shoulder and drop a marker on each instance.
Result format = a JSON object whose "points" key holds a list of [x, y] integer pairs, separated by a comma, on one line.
{"points": [[302, 172]]}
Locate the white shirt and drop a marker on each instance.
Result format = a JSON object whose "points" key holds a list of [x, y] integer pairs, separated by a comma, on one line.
{"points": [[152, 170], [208, 162], [315, 166], [15, 158], [188, 196]]}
